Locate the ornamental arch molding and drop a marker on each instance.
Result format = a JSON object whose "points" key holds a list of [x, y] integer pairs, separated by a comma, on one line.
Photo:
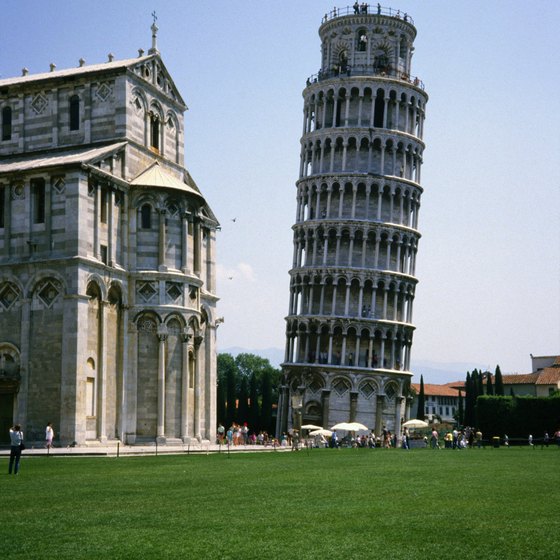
{"points": [[147, 321], [117, 293], [33, 283], [175, 322], [140, 198], [97, 281]]}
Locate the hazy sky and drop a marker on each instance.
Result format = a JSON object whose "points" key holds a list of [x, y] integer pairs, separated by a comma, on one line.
{"points": [[489, 259]]}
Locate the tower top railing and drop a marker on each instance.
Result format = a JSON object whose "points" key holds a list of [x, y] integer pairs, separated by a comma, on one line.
{"points": [[364, 70], [364, 8]]}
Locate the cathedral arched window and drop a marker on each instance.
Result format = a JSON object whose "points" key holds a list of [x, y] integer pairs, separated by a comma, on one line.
{"points": [[6, 123], [38, 200], [74, 113], [2, 205], [146, 217], [154, 130]]}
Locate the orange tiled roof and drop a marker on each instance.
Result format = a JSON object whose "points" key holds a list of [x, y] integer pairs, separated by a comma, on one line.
{"points": [[432, 390], [550, 375], [520, 379]]}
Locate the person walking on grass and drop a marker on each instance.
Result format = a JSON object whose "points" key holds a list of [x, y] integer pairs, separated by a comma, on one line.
{"points": [[49, 435], [16, 447], [434, 439]]}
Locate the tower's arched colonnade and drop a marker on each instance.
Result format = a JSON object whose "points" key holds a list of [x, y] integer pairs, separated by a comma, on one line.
{"points": [[352, 284]]}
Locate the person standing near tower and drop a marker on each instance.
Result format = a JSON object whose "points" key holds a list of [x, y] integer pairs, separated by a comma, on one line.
{"points": [[16, 441]]}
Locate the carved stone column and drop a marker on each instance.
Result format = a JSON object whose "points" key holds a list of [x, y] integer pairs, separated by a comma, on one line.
{"points": [[379, 414], [325, 398], [185, 388], [162, 337], [353, 405]]}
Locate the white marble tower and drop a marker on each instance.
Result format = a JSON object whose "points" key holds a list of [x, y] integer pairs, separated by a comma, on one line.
{"points": [[352, 283]]}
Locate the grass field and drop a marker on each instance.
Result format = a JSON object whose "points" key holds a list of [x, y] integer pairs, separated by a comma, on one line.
{"points": [[320, 504]]}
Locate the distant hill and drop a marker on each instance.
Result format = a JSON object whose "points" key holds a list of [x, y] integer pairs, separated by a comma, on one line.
{"points": [[433, 372], [439, 373]]}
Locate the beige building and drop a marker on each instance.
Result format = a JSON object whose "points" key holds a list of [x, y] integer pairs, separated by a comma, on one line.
{"points": [[107, 259], [542, 382], [441, 402], [352, 284]]}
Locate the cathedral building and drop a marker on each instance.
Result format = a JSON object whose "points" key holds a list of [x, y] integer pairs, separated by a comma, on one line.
{"points": [[352, 283], [107, 259]]}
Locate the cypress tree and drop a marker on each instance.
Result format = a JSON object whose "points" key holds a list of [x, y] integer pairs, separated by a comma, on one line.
{"points": [[221, 405], [421, 400], [243, 408], [479, 385], [489, 387], [461, 411], [479, 391], [468, 400], [499, 389], [231, 396], [227, 380]]}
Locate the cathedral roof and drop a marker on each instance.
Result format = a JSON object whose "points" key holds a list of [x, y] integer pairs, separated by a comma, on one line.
{"points": [[55, 159], [135, 65], [155, 176], [68, 72]]}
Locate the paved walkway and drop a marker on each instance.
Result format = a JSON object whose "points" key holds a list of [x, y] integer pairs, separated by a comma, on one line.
{"points": [[132, 450]]}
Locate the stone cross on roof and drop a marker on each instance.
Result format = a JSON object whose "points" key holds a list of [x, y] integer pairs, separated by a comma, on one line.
{"points": [[154, 49]]}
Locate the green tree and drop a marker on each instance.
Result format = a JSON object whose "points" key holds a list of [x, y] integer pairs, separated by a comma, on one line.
{"points": [[247, 364], [499, 389], [266, 403], [420, 412], [242, 380], [227, 374], [254, 420], [221, 410]]}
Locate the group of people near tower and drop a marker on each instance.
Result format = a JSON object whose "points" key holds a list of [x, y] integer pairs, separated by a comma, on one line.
{"points": [[240, 434], [17, 445], [363, 8]]}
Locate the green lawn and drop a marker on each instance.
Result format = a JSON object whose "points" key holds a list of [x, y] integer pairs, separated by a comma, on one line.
{"points": [[349, 503]]}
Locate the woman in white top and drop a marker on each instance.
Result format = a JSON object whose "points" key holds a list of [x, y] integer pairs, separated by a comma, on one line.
{"points": [[49, 434]]}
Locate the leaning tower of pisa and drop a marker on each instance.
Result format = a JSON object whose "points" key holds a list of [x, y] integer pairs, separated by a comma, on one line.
{"points": [[352, 282]]}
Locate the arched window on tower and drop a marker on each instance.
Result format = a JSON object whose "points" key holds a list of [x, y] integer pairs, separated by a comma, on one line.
{"points": [[343, 62], [361, 44], [154, 130], [6, 123], [379, 109], [74, 113], [402, 48]]}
